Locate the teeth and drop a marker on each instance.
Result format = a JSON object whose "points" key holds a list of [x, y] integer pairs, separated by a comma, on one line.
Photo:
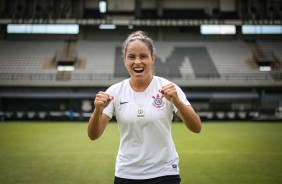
{"points": [[138, 69]]}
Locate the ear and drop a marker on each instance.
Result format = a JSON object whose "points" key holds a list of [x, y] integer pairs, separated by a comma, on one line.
{"points": [[124, 60], [153, 59]]}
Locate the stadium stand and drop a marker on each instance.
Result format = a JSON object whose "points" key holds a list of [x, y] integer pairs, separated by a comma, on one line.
{"points": [[26, 57], [225, 60], [274, 47]]}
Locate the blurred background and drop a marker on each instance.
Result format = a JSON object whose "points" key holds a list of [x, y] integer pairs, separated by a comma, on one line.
{"points": [[56, 55]]}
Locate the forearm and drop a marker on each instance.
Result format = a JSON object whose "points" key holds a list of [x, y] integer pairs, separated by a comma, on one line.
{"points": [[189, 117], [95, 125], [98, 121]]}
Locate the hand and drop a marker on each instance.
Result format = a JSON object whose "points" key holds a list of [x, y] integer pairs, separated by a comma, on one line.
{"points": [[102, 100], [169, 92]]}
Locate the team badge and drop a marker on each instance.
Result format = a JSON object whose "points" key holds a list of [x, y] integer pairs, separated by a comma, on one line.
{"points": [[158, 101], [140, 111]]}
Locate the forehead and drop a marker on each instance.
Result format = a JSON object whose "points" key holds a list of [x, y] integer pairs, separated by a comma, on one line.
{"points": [[137, 46]]}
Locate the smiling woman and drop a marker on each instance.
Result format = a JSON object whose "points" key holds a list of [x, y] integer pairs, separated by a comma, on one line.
{"points": [[139, 57], [143, 105]]}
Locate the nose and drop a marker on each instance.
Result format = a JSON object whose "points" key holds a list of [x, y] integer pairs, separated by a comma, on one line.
{"points": [[137, 61]]}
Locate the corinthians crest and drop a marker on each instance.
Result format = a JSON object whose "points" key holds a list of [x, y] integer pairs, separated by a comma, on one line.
{"points": [[158, 101]]}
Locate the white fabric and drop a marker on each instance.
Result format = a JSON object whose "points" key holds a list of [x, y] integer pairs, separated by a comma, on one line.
{"points": [[146, 146]]}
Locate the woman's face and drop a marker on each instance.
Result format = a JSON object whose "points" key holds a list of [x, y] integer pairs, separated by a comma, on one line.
{"points": [[138, 60]]}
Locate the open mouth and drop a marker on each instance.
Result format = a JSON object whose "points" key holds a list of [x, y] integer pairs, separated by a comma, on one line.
{"points": [[138, 69]]}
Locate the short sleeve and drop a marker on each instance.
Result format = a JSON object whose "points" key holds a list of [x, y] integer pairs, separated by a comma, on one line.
{"points": [[181, 96], [110, 110]]}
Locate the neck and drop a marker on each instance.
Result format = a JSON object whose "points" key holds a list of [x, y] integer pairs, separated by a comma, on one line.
{"points": [[139, 85]]}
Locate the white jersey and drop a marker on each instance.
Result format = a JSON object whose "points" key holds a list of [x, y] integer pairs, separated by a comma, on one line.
{"points": [[144, 118]]}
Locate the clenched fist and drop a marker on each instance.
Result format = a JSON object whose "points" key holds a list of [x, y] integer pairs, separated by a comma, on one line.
{"points": [[102, 100]]}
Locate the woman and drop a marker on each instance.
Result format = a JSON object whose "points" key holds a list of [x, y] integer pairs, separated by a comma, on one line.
{"points": [[143, 106]]}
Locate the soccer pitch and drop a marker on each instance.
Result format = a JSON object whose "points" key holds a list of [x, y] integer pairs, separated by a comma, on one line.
{"points": [[61, 153]]}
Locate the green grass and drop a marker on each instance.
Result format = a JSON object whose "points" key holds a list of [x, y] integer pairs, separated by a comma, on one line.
{"points": [[61, 153]]}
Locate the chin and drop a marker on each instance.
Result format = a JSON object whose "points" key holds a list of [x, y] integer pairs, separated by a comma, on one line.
{"points": [[138, 76]]}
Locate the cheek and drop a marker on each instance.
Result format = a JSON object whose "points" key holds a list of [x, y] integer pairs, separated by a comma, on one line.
{"points": [[127, 64]]}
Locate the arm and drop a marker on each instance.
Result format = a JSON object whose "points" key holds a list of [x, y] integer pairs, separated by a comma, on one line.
{"points": [[186, 113], [189, 117], [98, 121]]}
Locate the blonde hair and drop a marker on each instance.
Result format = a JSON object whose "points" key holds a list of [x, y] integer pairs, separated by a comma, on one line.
{"points": [[141, 36]]}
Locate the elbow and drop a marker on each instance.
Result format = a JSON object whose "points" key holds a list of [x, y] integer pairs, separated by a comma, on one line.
{"points": [[93, 134], [197, 129], [198, 126], [93, 137]]}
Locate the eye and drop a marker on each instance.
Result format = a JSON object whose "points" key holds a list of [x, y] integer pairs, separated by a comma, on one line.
{"points": [[131, 57], [143, 56]]}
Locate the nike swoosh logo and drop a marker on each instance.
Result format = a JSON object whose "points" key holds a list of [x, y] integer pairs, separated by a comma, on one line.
{"points": [[122, 103]]}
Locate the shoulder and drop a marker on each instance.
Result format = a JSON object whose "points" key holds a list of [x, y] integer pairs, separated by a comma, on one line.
{"points": [[161, 80], [164, 81], [115, 88]]}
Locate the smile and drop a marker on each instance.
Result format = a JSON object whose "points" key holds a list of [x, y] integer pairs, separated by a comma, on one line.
{"points": [[138, 69]]}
